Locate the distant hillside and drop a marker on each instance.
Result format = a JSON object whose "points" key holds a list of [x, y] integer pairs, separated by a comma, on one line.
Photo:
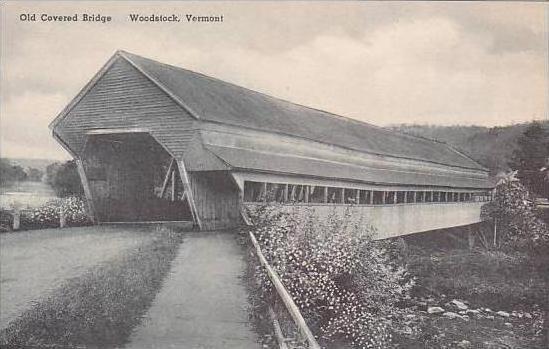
{"points": [[492, 147], [39, 164]]}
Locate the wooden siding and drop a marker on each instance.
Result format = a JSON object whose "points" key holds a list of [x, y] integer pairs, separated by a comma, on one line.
{"points": [[216, 198], [397, 220], [124, 98]]}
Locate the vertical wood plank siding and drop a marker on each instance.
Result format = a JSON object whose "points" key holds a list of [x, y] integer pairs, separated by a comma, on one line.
{"points": [[216, 198], [124, 98]]}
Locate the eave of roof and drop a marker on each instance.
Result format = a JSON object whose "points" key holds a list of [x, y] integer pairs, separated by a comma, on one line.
{"points": [[247, 159]]}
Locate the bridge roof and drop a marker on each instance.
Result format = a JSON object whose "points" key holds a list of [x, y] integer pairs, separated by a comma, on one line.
{"points": [[213, 100]]}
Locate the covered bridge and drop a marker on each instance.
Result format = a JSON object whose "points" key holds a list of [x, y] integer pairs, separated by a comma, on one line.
{"points": [[156, 142]]}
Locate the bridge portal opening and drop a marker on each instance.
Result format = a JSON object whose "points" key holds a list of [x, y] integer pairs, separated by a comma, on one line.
{"points": [[132, 178]]}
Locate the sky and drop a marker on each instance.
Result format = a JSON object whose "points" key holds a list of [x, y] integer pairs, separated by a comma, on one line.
{"points": [[439, 63]]}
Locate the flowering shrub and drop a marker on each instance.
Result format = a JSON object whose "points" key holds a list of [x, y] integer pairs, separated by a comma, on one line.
{"points": [[514, 210], [48, 215], [344, 283]]}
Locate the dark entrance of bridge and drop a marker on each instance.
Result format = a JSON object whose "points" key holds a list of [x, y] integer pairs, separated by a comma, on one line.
{"points": [[132, 178]]}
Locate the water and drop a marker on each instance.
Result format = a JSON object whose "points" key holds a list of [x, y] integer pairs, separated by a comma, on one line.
{"points": [[25, 195]]}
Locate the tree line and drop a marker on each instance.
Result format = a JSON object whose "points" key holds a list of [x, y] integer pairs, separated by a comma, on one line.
{"points": [[11, 172]]}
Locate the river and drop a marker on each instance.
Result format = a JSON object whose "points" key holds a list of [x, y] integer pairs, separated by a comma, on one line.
{"points": [[25, 194]]}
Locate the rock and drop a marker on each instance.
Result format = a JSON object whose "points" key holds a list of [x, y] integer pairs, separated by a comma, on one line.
{"points": [[472, 311], [503, 313], [488, 310], [451, 315], [464, 344], [491, 317], [435, 310], [459, 304], [407, 330], [508, 324], [528, 315], [462, 312]]}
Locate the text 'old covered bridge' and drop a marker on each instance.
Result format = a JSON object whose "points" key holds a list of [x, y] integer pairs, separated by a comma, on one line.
{"points": [[154, 142]]}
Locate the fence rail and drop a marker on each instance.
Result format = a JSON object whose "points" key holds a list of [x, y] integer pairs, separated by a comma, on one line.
{"points": [[291, 307]]}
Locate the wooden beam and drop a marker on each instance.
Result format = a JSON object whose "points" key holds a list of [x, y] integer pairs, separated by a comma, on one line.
{"points": [[325, 195], [87, 190], [167, 179], [383, 194], [405, 197], [306, 194], [357, 196], [286, 192], [291, 307], [292, 196], [415, 196], [188, 191], [342, 195], [395, 197], [173, 185], [371, 197]]}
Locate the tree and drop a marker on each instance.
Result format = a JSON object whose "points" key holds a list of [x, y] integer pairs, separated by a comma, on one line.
{"points": [[34, 174], [10, 172], [64, 179], [514, 211], [530, 157]]}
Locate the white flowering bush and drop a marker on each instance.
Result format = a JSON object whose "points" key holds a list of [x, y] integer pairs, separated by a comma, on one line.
{"points": [[48, 215], [514, 211], [344, 283]]}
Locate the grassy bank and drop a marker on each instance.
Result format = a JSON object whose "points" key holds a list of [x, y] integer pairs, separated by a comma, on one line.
{"points": [[514, 282], [101, 307]]}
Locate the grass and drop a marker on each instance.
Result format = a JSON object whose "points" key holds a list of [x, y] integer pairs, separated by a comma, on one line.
{"points": [[101, 307]]}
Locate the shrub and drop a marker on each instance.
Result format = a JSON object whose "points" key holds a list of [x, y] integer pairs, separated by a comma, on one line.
{"points": [[345, 284], [64, 179], [47, 216], [514, 212]]}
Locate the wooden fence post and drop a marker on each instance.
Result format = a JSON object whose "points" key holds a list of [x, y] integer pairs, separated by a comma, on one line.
{"points": [[62, 218], [471, 238], [16, 220]]}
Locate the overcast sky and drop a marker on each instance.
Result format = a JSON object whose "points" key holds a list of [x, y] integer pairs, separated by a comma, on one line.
{"points": [[385, 63]]}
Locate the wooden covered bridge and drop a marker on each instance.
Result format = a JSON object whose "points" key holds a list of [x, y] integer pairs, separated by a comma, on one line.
{"points": [[155, 142]]}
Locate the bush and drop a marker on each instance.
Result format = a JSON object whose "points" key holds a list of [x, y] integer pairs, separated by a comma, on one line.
{"points": [[47, 216], [514, 211], [64, 179], [345, 284]]}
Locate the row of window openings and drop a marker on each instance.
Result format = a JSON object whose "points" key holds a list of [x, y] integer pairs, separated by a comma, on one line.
{"points": [[273, 192]]}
